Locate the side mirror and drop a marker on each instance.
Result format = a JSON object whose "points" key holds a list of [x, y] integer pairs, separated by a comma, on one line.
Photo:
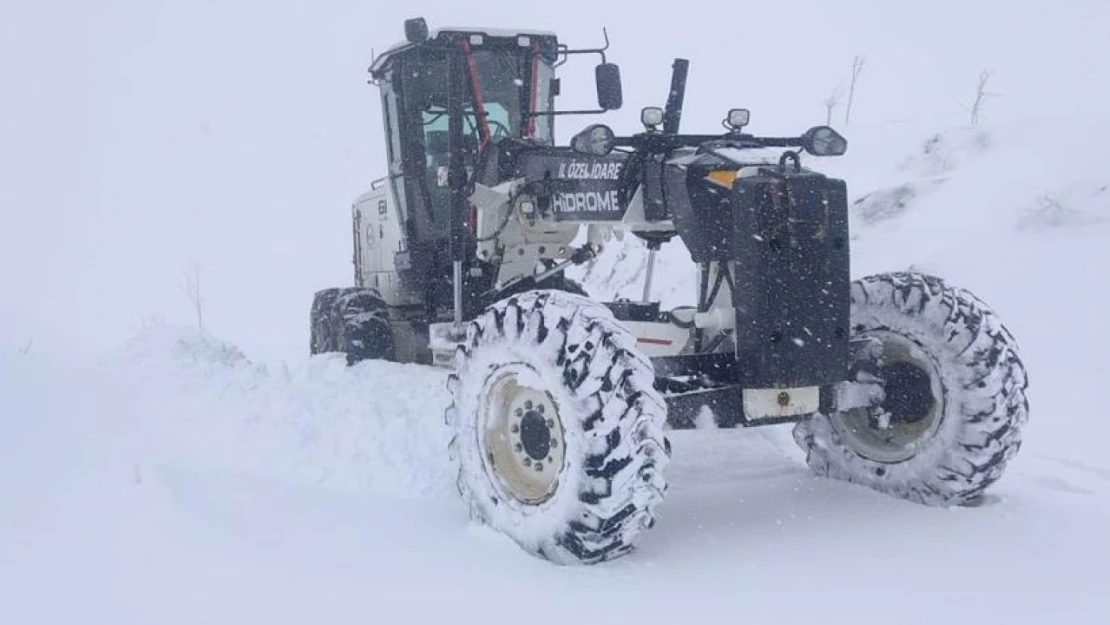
{"points": [[824, 141], [596, 139], [609, 94]]}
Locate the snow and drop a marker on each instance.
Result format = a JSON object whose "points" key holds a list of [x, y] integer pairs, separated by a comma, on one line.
{"points": [[89, 536], [318, 423], [154, 474]]}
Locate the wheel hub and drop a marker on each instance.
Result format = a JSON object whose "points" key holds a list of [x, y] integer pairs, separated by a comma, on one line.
{"points": [[521, 435], [912, 407], [908, 392], [535, 435]]}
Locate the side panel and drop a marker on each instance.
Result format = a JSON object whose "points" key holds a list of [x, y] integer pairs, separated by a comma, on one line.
{"points": [[575, 187], [378, 238], [658, 339]]}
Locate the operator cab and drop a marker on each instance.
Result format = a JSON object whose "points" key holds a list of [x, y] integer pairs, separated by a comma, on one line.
{"points": [[508, 91], [448, 97]]}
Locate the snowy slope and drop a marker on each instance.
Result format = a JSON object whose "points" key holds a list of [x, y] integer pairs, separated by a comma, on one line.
{"points": [[174, 477]]}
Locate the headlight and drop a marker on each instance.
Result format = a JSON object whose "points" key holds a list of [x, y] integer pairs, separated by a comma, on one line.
{"points": [[596, 139], [651, 116], [738, 118], [824, 141]]}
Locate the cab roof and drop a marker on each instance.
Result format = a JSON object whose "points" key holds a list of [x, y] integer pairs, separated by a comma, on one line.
{"points": [[452, 35]]}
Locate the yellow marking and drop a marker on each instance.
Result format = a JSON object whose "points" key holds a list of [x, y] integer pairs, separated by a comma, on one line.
{"points": [[723, 178]]}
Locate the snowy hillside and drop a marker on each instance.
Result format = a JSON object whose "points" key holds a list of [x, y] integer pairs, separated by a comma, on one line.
{"points": [[151, 473]]}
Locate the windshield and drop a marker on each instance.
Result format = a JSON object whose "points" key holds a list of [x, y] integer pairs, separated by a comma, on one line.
{"points": [[504, 85], [511, 87]]}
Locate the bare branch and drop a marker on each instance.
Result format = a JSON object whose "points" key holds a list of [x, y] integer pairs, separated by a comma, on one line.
{"points": [[981, 96], [857, 68], [191, 287], [830, 103]]}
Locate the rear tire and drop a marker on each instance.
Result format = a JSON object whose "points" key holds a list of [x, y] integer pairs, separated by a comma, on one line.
{"points": [[558, 430], [955, 396], [354, 321]]}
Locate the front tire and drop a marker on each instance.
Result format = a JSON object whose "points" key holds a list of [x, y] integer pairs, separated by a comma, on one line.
{"points": [[558, 430], [954, 390]]}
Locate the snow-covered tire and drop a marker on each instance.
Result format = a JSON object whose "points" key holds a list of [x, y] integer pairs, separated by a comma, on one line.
{"points": [[947, 430], [552, 379], [354, 321], [573, 287]]}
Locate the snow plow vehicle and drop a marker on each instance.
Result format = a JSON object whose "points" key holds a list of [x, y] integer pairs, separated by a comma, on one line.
{"points": [[560, 403]]}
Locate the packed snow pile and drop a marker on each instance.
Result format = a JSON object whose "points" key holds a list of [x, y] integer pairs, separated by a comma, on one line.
{"points": [[376, 427]]}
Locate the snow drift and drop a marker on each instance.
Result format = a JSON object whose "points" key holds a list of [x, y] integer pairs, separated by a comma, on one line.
{"points": [[375, 427]]}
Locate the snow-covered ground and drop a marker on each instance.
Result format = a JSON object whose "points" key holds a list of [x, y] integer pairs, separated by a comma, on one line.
{"points": [[172, 478]]}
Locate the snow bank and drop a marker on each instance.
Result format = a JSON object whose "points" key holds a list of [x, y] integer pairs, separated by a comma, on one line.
{"points": [[198, 401]]}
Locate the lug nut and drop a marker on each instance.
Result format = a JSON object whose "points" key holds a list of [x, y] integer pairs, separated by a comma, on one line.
{"points": [[527, 462], [550, 423], [518, 448], [519, 413], [539, 467], [514, 429], [528, 405], [554, 444], [539, 409]]}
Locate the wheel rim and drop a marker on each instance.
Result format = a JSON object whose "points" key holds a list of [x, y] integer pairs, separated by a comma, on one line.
{"points": [[912, 410], [521, 434]]}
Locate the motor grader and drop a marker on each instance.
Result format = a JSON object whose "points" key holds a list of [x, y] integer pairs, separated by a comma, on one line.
{"points": [[560, 403]]}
